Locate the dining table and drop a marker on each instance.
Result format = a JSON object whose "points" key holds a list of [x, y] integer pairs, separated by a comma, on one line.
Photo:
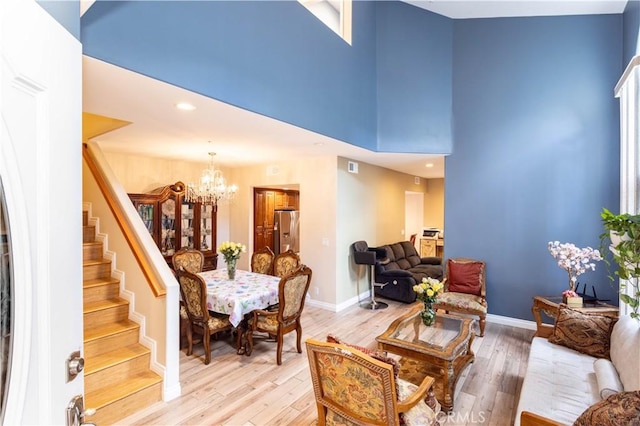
{"points": [[238, 297]]}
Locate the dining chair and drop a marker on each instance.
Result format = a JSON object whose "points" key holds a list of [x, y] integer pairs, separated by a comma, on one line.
{"points": [[284, 263], [355, 386], [262, 261], [193, 290], [189, 259], [292, 291]]}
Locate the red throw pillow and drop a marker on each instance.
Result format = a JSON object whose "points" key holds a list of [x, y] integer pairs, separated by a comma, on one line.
{"points": [[465, 277]]}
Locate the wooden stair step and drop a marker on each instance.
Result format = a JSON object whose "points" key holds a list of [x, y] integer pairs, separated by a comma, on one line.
{"points": [[105, 311], [92, 250], [96, 268], [117, 367], [100, 288], [107, 337], [97, 282], [88, 234], [103, 305], [116, 402], [116, 356]]}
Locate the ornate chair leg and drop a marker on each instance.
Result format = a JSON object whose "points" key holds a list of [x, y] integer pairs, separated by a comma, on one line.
{"points": [[299, 336], [189, 340], [482, 324], [206, 337], [280, 342]]}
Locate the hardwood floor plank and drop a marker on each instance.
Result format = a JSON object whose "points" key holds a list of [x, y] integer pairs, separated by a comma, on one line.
{"points": [[238, 390]]}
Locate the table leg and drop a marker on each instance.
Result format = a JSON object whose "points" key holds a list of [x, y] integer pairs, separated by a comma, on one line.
{"points": [[244, 340], [448, 379]]}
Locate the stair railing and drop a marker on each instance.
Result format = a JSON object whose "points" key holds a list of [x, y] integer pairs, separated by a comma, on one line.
{"points": [[147, 266]]}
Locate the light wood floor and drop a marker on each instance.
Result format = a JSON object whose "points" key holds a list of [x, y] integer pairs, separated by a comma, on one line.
{"points": [[244, 391]]}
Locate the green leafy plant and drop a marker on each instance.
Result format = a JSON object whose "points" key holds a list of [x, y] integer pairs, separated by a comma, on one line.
{"points": [[622, 239]]}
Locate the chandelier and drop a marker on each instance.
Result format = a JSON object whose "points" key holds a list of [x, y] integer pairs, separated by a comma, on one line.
{"points": [[211, 188]]}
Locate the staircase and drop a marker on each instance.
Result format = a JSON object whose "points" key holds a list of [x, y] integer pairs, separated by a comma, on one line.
{"points": [[117, 378]]}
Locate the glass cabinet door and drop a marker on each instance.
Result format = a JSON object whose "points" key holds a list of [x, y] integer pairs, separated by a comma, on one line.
{"points": [[168, 227], [206, 214], [186, 227], [146, 214]]}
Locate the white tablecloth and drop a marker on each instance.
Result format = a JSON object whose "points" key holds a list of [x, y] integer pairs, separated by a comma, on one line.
{"points": [[236, 298]]}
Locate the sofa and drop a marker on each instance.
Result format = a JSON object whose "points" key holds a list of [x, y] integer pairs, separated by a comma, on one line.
{"points": [[401, 268], [585, 373]]}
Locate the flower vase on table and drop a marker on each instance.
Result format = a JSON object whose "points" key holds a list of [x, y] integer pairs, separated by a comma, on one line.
{"points": [[231, 269], [428, 314], [427, 291], [231, 252]]}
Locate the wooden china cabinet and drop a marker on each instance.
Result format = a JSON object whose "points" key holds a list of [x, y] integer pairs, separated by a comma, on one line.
{"points": [[175, 223]]}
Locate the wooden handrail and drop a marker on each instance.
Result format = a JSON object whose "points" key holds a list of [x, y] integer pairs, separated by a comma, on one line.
{"points": [[156, 284]]}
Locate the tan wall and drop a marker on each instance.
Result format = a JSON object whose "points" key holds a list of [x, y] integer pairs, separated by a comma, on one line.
{"points": [[371, 207], [337, 208], [434, 203]]}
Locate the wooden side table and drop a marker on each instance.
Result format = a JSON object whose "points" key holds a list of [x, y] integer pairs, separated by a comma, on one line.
{"points": [[549, 305]]}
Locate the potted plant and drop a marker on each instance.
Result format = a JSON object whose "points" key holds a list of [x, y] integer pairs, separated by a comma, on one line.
{"points": [[622, 238]]}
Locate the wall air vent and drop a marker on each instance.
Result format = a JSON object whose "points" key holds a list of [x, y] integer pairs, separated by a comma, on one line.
{"points": [[416, 180], [273, 170], [352, 167]]}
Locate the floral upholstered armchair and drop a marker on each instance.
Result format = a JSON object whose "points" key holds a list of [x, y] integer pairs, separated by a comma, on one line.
{"points": [[464, 289], [352, 387]]}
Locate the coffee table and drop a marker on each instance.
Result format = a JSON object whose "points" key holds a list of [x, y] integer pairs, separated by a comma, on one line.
{"points": [[441, 351]]}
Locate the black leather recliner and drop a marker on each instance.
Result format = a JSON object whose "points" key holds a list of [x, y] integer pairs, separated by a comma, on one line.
{"points": [[401, 268]]}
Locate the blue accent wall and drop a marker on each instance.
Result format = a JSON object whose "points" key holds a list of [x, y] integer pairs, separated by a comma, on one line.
{"points": [[535, 141], [536, 149], [271, 57], [414, 58], [67, 13], [631, 30]]}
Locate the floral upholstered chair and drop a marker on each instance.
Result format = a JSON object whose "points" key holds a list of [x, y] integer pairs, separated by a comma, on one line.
{"points": [[285, 263], [353, 387], [193, 290], [292, 291], [464, 289], [189, 260], [262, 261]]}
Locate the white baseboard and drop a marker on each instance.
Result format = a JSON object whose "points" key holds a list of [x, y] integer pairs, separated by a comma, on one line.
{"points": [[512, 322], [339, 307]]}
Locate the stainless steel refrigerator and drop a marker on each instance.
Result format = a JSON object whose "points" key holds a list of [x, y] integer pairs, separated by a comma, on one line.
{"points": [[286, 228]]}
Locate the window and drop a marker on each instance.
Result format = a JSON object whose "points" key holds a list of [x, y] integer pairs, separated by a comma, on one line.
{"points": [[335, 14]]}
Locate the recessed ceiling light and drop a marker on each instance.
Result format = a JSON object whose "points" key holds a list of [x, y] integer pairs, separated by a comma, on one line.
{"points": [[185, 106], [429, 165], [318, 143]]}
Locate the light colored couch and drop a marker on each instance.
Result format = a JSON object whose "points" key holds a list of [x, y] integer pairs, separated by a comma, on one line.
{"points": [[561, 383]]}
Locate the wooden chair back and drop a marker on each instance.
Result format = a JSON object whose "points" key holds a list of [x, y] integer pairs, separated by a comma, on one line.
{"points": [[262, 261], [339, 373], [292, 291], [285, 263], [193, 290], [187, 259]]}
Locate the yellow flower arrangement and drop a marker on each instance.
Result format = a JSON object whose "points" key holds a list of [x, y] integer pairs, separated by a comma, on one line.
{"points": [[231, 251], [428, 289]]}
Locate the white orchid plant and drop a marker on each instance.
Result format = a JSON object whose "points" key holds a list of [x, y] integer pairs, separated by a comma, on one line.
{"points": [[574, 260]]}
